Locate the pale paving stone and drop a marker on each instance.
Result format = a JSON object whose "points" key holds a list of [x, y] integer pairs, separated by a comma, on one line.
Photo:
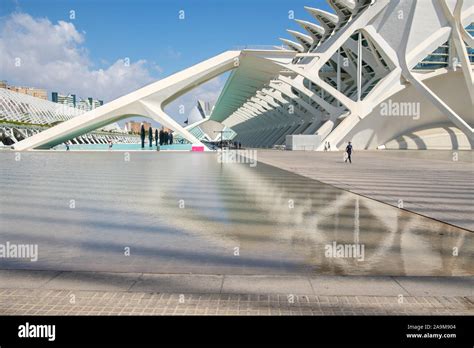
{"points": [[434, 286], [257, 285], [181, 284], [93, 281], [25, 279]]}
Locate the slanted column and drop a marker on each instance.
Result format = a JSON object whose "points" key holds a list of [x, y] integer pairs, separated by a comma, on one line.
{"points": [[359, 67], [338, 73]]}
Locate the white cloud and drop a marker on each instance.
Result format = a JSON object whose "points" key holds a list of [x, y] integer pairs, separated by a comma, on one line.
{"points": [[52, 56]]}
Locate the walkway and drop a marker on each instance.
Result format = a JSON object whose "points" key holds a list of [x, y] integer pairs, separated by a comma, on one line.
{"points": [[95, 293]]}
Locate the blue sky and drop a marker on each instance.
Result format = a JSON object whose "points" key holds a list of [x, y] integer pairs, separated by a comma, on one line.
{"points": [[151, 32]]}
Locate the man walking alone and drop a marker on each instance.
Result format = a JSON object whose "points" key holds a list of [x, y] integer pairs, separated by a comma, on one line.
{"points": [[349, 152]]}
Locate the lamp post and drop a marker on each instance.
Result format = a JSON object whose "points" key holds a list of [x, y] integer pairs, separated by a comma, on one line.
{"points": [[222, 135]]}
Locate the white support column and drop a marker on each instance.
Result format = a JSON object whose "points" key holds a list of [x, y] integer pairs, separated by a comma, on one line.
{"points": [[338, 73], [359, 67]]}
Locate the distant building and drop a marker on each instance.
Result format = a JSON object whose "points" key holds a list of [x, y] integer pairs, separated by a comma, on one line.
{"points": [[94, 103], [71, 100], [134, 127], [205, 108], [34, 92], [113, 128], [200, 112]]}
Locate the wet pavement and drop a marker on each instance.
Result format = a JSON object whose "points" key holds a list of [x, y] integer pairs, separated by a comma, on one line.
{"points": [[187, 213]]}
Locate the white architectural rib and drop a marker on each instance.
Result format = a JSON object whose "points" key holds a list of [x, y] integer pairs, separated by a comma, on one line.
{"points": [[306, 41], [346, 4], [315, 31], [328, 20], [293, 45]]}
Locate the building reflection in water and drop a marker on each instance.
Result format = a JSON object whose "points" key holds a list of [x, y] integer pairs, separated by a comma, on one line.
{"points": [[186, 213]]}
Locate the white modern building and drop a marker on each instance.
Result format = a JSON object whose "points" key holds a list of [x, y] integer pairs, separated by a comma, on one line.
{"points": [[23, 116], [379, 73]]}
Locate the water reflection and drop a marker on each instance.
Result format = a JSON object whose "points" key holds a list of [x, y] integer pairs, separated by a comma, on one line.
{"points": [[185, 212]]}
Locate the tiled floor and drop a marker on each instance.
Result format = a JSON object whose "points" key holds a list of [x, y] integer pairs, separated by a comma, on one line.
{"points": [[63, 302]]}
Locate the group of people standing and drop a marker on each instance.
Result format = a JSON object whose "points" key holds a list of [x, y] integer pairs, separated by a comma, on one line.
{"points": [[162, 137], [165, 138]]}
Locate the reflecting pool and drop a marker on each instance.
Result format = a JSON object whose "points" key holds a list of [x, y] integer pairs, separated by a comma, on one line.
{"points": [[187, 213]]}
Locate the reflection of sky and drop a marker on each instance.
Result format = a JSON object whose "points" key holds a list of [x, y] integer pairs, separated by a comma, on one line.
{"points": [[136, 204]]}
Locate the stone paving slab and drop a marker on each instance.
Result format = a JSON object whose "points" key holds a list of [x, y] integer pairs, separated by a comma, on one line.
{"points": [[366, 286], [236, 284], [208, 284], [93, 281], [26, 279], [429, 183], [437, 286], [266, 285]]}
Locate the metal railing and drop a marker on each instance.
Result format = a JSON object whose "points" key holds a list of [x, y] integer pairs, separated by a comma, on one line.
{"points": [[260, 47]]}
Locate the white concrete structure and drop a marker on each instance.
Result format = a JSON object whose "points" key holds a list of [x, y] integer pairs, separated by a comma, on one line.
{"points": [[151, 100], [202, 127], [22, 116], [19, 107], [302, 142], [379, 73]]}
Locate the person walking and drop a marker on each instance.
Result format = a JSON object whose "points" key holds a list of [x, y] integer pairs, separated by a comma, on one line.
{"points": [[162, 137], [349, 152], [150, 136], [142, 135], [156, 137]]}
